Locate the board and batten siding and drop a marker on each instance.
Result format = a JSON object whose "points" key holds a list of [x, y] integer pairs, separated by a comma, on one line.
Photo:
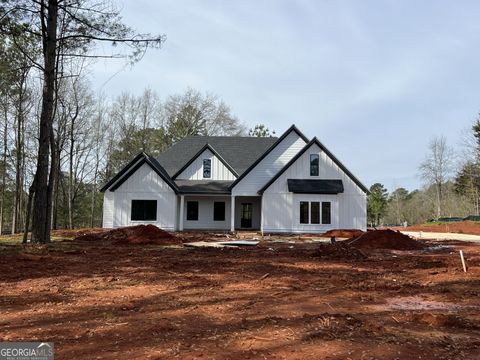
{"points": [[194, 171], [269, 166], [108, 208], [205, 213], [281, 208], [144, 184]]}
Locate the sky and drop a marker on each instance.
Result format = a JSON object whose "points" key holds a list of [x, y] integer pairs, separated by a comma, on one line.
{"points": [[373, 80]]}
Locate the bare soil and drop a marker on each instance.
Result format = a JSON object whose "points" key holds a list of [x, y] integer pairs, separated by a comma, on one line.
{"points": [[461, 227], [107, 300]]}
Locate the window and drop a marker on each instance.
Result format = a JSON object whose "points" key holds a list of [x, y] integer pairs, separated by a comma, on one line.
{"points": [[192, 210], [207, 168], [314, 161], [314, 212], [326, 213], [144, 210], [219, 211], [303, 212]]}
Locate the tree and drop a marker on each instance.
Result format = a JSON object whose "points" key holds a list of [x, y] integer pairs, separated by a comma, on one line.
{"points": [[193, 113], [260, 130], [376, 203], [437, 167], [397, 204], [65, 29]]}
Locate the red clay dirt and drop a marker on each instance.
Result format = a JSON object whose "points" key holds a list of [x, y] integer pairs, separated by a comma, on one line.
{"points": [[99, 300], [140, 234], [461, 227], [343, 233], [385, 239]]}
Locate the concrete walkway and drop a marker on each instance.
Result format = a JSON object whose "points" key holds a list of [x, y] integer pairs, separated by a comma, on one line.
{"points": [[441, 236]]}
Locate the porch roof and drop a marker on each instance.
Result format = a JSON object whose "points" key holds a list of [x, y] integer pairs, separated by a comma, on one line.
{"points": [[218, 187]]}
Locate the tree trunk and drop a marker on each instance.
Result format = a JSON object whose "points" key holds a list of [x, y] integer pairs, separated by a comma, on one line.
{"points": [[70, 176], [18, 156], [27, 212], [4, 174], [41, 207]]}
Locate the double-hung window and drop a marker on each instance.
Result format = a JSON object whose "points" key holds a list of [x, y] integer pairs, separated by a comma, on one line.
{"points": [[192, 210]]}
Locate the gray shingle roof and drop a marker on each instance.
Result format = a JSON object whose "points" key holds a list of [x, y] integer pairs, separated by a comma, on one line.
{"points": [[240, 152]]}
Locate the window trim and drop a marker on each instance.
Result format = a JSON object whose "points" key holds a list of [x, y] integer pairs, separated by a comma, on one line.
{"points": [[143, 220], [187, 212], [312, 157], [224, 210], [209, 162]]}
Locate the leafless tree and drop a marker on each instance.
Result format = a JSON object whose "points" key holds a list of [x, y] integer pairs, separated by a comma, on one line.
{"points": [[437, 168]]}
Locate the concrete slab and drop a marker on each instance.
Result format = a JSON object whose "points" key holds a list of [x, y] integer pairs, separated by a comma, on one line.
{"points": [[441, 236]]}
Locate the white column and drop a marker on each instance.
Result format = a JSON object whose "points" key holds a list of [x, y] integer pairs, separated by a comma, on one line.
{"points": [[182, 205], [261, 216], [232, 214]]}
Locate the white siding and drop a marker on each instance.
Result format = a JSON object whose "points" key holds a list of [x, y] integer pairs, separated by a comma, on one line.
{"points": [[195, 170], [269, 166], [205, 213], [145, 184], [281, 208], [108, 206]]}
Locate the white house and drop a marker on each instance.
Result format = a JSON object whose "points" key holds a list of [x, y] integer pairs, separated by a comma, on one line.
{"points": [[285, 184]]}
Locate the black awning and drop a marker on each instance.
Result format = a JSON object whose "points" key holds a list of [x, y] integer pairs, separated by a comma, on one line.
{"points": [[203, 187], [310, 186]]}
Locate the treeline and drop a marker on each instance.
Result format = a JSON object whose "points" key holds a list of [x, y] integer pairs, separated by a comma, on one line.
{"points": [[94, 136], [451, 185], [59, 140]]}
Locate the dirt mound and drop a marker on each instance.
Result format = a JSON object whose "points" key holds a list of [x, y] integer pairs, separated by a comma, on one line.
{"points": [[385, 239], [344, 233], [461, 227], [140, 234], [75, 232], [339, 250]]}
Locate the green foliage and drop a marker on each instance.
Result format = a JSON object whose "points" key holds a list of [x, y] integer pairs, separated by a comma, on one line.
{"points": [[377, 202], [260, 130], [152, 141]]}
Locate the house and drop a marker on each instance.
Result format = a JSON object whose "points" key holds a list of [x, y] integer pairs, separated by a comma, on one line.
{"points": [[285, 184]]}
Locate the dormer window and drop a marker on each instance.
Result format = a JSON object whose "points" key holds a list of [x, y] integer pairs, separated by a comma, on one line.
{"points": [[314, 161], [207, 168]]}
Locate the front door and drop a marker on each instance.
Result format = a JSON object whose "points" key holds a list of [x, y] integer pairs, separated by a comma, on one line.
{"points": [[246, 215]]}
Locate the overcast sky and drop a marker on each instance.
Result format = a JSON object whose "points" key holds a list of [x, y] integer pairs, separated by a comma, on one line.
{"points": [[373, 80]]}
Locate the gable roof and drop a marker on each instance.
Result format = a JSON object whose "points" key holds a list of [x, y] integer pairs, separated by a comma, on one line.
{"points": [[134, 165], [329, 154], [268, 151], [200, 152], [239, 152]]}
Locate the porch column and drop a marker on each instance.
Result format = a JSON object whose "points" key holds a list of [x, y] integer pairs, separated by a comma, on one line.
{"points": [[261, 216], [182, 205], [232, 214]]}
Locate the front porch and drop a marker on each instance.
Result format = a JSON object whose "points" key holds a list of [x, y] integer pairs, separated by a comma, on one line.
{"points": [[219, 212]]}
